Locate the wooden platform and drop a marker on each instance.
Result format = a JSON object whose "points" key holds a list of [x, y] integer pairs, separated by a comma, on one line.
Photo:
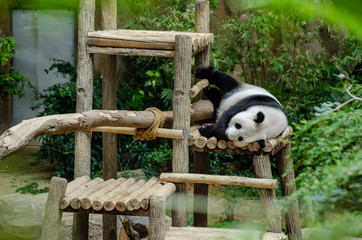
{"points": [[143, 43], [200, 233], [199, 143], [114, 196]]}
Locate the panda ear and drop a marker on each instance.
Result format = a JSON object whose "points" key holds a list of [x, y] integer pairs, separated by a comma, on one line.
{"points": [[259, 117]]}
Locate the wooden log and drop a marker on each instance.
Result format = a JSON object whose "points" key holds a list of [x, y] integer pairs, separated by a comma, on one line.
{"points": [[222, 144], [150, 39], [267, 196], [231, 145], [157, 223], [131, 52], [66, 200], [201, 159], [200, 141], [75, 203], [119, 43], [165, 191], [220, 180], [253, 147], [84, 90], [53, 213], [181, 106], [123, 203], [88, 201], [161, 132], [109, 101], [142, 201], [287, 178], [270, 144], [211, 143], [108, 201], [17, 137], [73, 185], [110, 204], [198, 87]]}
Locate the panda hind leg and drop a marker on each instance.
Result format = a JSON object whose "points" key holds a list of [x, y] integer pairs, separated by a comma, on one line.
{"points": [[214, 96], [223, 81]]}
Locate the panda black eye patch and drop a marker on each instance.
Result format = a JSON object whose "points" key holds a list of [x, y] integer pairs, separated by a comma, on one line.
{"points": [[237, 125], [240, 139]]}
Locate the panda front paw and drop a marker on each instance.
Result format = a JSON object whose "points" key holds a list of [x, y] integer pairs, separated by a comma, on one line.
{"points": [[207, 130], [204, 72]]}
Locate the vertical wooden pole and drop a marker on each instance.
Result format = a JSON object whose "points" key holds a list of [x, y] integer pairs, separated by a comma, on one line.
{"points": [[53, 213], [157, 223], [109, 102], [181, 113], [201, 159], [286, 173], [267, 196], [82, 160]]}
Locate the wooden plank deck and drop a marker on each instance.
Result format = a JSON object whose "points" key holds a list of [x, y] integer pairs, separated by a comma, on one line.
{"points": [[202, 233]]}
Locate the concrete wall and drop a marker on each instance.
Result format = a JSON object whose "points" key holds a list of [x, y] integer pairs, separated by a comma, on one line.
{"points": [[40, 35]]}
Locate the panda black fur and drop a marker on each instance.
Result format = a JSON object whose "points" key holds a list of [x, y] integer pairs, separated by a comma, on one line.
{"points": [[244, 113]]}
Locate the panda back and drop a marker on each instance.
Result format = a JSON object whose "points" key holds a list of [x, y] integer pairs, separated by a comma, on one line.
{"points": [[244, 91]]}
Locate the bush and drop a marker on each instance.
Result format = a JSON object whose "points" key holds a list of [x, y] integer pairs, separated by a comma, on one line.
{"points": [[327, 155]]}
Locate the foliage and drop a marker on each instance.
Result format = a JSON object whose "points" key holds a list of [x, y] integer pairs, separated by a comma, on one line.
{"points": [[32, 188], [275, 50], [327, 156], [13, 82]]}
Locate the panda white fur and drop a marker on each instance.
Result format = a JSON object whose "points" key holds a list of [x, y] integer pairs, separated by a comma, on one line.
{"points": [[244, 113]]}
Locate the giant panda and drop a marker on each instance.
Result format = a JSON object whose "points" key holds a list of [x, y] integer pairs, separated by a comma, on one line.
{"points": [[244, 113]]}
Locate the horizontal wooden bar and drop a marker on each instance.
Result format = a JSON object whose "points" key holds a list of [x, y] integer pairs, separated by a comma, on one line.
{"points": [[131, 52], [161, 132], [221, 180]]}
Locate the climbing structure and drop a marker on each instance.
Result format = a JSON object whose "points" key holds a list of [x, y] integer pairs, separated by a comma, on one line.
{"points": [[110, 197]]}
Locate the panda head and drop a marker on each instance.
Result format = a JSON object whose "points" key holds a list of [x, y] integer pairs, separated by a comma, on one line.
{"points": [[246, 127]]}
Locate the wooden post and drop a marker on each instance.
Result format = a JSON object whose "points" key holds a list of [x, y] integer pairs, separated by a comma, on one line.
{"points": [[285, 166], [157, 223], [181, 113], [109, 102], [267, 196], [53, 213], [82, 159], [201, 159]]}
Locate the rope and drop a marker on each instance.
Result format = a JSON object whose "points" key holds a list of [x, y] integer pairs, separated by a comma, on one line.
{"points": [[150, 133]]}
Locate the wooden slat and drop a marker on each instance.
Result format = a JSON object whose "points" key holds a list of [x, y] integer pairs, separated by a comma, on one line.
{"points": [[222, 180], [203, 233], [131, 52], [161, 132]]}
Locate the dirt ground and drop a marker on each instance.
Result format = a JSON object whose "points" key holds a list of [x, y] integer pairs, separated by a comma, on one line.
{"points": [[19, 170]]}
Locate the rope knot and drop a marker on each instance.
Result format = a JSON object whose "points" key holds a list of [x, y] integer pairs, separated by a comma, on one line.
{"points": [[150, 133]]}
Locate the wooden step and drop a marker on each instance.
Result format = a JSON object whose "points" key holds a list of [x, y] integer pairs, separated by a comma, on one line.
{"points": [[201, 233], [143, 43]]}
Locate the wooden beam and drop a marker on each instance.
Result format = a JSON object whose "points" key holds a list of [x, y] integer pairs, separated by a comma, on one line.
{"points": [[53, 213], [201, 159], [287, 182], [82, 161], [131, 52], [267, 196], [19, 136], [181, 106], [161, 132], [221, 180]]}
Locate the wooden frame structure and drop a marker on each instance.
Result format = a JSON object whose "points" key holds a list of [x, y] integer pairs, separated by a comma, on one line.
{"points": [[180, 46]]}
